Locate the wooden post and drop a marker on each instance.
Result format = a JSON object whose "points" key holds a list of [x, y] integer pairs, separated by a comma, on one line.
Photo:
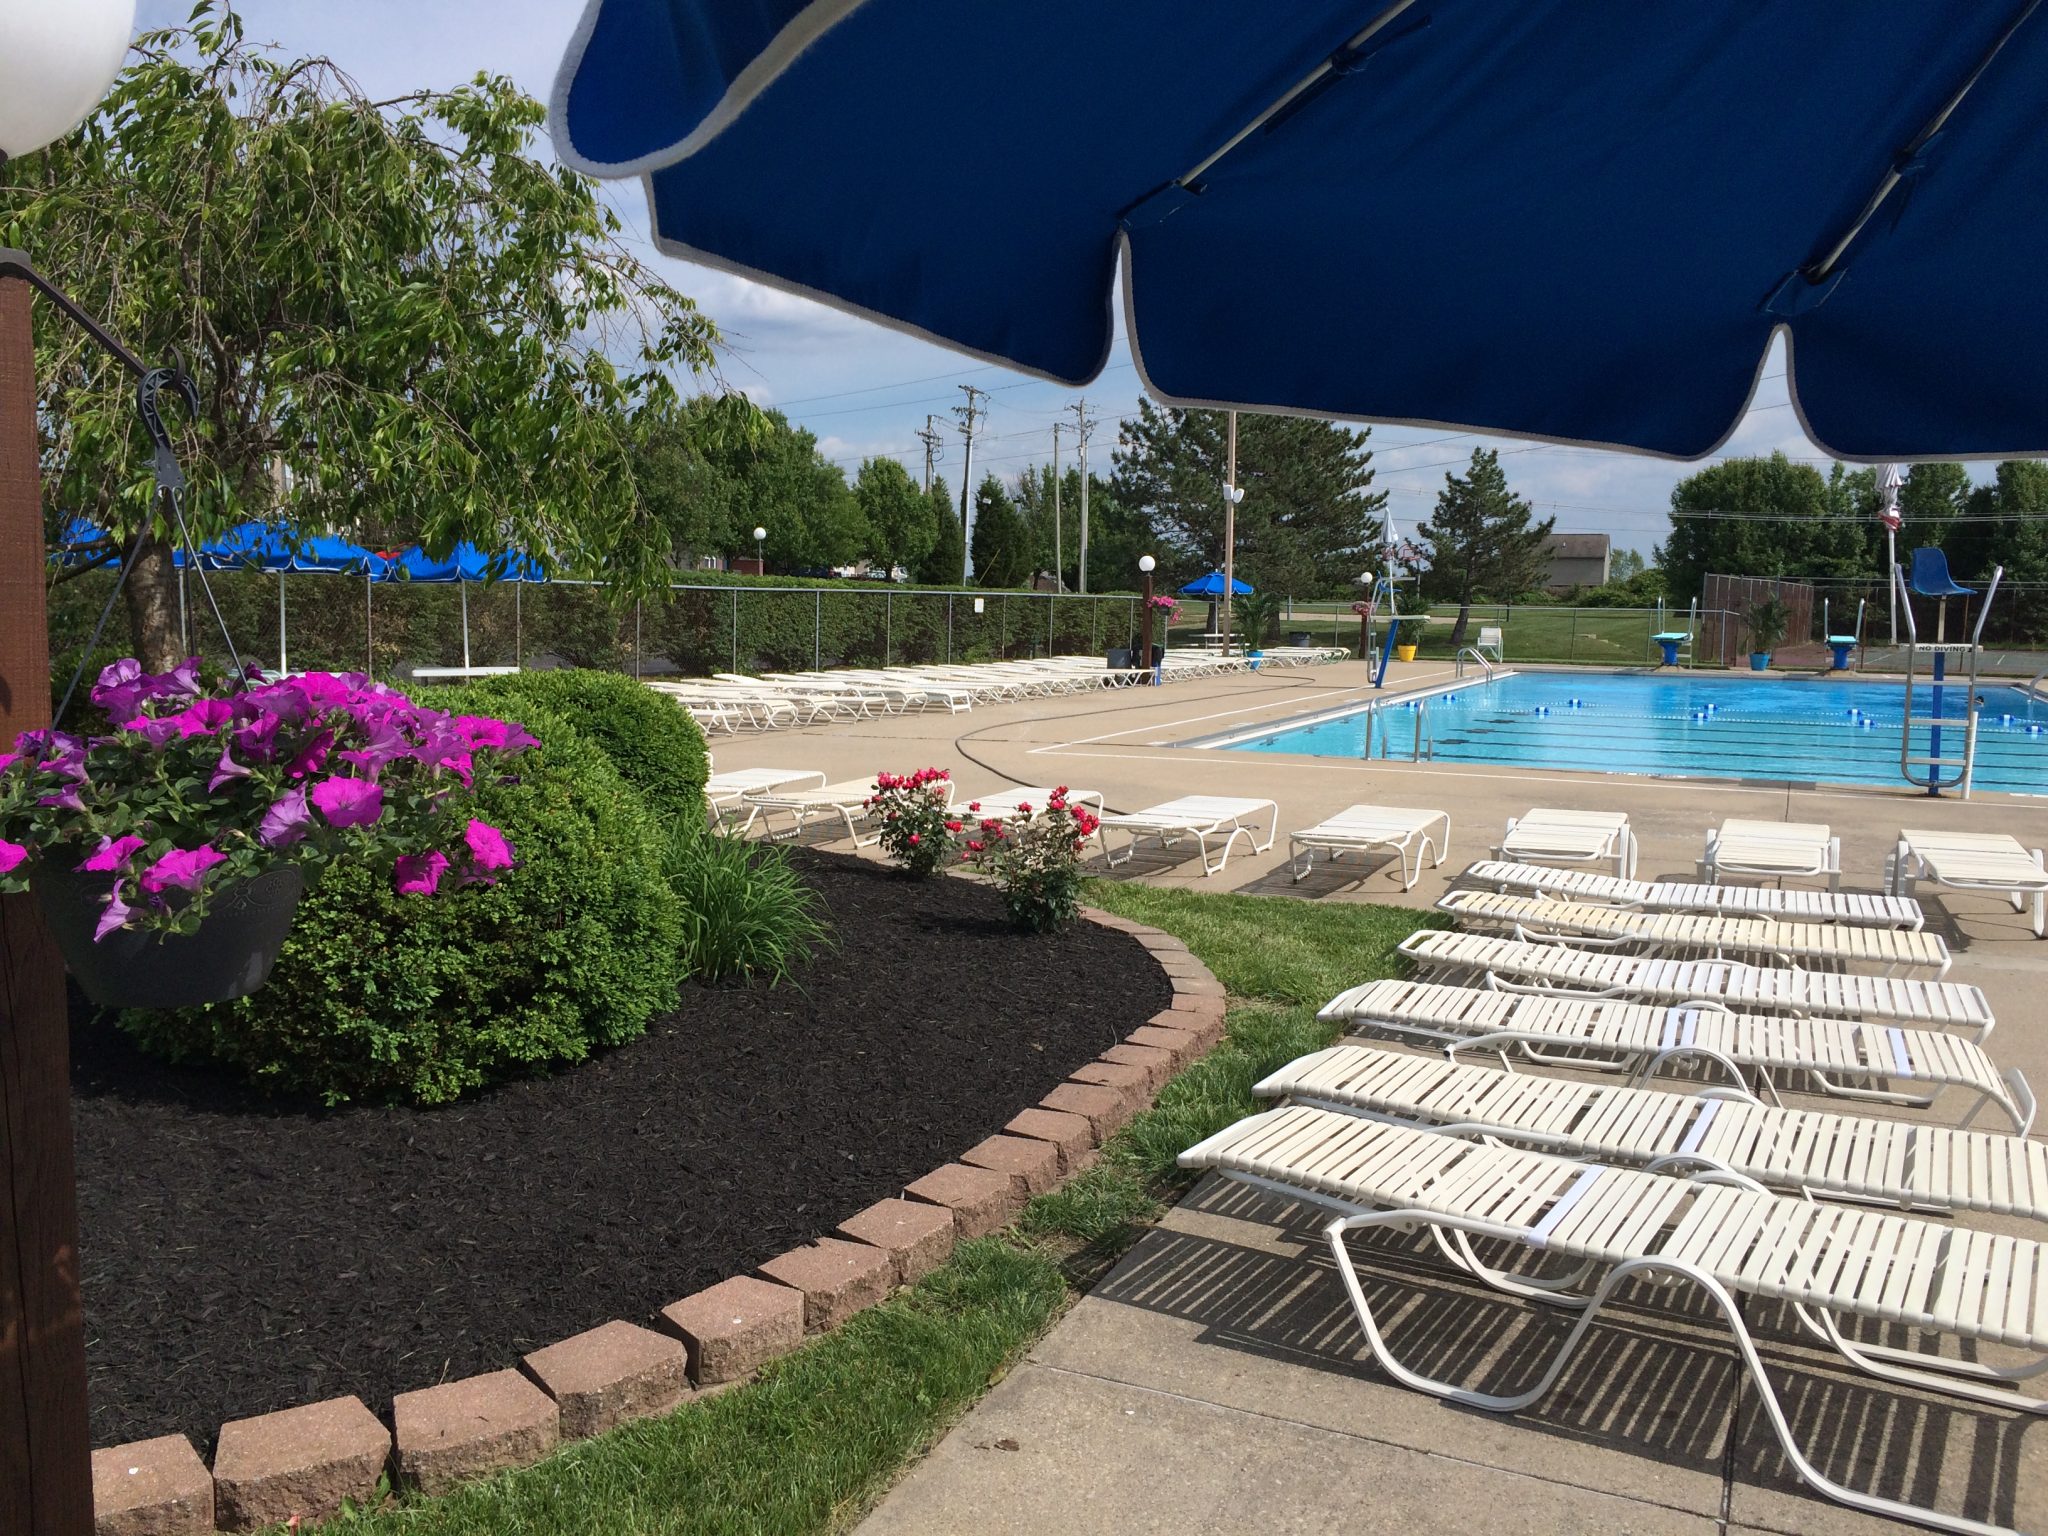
{"points": [[45, 1440]]}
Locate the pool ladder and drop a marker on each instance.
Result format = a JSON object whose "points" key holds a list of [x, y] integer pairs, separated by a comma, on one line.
{"points": [[1422, 749], [1458, 663]]}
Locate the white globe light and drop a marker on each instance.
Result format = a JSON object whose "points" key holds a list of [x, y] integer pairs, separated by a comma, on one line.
{"points": [[57, 58], [760, 533], [1147, 564]]}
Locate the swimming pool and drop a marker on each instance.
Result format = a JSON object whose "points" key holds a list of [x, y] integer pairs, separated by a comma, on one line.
{"points": [[1802, 730]]}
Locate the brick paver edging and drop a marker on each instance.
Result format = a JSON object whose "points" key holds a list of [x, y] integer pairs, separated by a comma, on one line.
{"points": [[307, 1460]]}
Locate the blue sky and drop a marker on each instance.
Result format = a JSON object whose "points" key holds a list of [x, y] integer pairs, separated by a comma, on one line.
{"points": [[865, 390]]}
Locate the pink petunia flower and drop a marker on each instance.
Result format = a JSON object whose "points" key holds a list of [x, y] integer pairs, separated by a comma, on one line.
{"points": [[114, 915], [181, 869], [419, 874], [111, 854], [226, 769], [12, 856], [487, 846], [286, 821], [349, 802]]}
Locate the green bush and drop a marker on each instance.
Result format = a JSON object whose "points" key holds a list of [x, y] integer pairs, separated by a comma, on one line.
{"points": [[655, 745], [746, 912], [384, 997]]}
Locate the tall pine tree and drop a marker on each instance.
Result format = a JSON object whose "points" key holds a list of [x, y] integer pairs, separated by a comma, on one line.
{"points": [[940, 566], [1483, 542], [1000, 544]]}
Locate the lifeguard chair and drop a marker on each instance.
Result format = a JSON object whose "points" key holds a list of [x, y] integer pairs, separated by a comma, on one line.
{"points": [[1930, 578]]}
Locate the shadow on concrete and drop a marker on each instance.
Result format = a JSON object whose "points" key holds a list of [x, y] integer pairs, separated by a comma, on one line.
{"points": [[1657, 1375]]}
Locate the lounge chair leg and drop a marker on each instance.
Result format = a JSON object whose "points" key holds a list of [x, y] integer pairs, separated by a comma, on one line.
{"points": [[1971, 1379], [1513, 1402]]}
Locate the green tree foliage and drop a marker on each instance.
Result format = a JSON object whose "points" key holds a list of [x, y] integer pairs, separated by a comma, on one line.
{"points": [[941, 564], [1483, 541], [776, 479], [2008, 526], [901, 521], [1626, 564], [1765, 517], [398, 316], [1309, 519], [1002, 550], [1930, 501]]}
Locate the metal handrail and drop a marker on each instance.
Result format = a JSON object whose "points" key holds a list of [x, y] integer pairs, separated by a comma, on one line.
{"points": [[1458, 662], [1423, 728]]}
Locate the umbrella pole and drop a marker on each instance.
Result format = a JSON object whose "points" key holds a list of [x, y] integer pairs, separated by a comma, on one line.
{"points": [[463, 587], [283, 661], [184, 628], [1229, 528], [369, 626], [1891, 560], [518, 634]]}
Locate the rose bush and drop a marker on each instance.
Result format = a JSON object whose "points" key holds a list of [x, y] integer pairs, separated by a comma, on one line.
{"points": [[1035, 860], [917, 818], [195, 788]]}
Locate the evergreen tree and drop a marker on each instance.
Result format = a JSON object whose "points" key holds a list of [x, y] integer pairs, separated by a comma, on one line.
{"points": [[940, 566], [1001, 547], [1482, 541], [900, 521], [2009, 519], [1309, 520]]}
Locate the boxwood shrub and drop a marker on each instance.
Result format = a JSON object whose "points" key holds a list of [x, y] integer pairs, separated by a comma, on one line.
{"points": [[656, 746], [383, 997]]}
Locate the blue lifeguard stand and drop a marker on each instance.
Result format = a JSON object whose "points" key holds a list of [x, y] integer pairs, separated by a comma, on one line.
{"points": [[1930, 578]]}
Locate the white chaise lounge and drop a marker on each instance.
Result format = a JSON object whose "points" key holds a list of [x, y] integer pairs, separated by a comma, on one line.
{"points": [[1886, 1162], [726, 791], [1201, 817], [1843, 1057], [847, 800], [1546, 836], [1797, 903], [1411, 836], [1772, 850], [1516, 964], [1714, 933], [1827, 1261], [1974, 861]]}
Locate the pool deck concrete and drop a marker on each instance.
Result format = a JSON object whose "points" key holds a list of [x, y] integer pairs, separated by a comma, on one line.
{"points": [[1216, 1381]]}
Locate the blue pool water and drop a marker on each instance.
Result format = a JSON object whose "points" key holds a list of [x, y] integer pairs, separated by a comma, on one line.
{"points": [[1774, 728]]}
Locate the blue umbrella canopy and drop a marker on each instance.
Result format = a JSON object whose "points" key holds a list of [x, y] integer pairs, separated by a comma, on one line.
{"points": [[1211, 585], [1577, 220], [465, 562]]}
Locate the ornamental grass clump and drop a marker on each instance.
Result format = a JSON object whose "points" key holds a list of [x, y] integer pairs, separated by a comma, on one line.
{"points": [[1035, 861], [918, 823], [196, 788]]}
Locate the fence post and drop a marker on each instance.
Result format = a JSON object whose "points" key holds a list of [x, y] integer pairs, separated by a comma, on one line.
{"points": [[1572, 652], [949, 629], [735, 629], [1052, 619], [818, 627], [888, 623]]}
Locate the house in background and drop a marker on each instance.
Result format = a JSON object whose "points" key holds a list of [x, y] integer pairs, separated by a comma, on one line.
{"points": [[1577, 560]]}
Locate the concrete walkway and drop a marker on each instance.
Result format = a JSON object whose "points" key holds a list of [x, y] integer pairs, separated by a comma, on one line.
{"points": [[1216, 1381]]}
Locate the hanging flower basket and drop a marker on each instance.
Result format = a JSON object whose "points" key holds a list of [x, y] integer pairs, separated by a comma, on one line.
{"points": [[228, 956], [170, 852]]}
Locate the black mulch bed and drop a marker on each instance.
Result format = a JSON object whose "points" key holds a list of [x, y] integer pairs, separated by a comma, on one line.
{"points": [[243, 1256]]}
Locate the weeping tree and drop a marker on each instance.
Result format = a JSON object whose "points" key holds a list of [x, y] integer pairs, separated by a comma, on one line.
{"points": [[401, 322]]}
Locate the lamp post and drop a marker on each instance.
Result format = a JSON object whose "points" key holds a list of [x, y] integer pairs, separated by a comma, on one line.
{"points": [[1146, 565], [761, 550], [57, 58]]}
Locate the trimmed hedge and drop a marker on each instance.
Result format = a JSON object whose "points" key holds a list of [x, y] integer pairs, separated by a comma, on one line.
{"points": [[655, 745], [383, 997]]}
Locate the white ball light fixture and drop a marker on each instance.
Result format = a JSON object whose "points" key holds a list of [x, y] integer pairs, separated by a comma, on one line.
{"points": [[1147, 564], [57, 58]]}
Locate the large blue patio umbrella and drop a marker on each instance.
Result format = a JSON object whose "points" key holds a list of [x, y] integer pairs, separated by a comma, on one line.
{"points": [[1211, 585], [464, 564], [1577, 220]]}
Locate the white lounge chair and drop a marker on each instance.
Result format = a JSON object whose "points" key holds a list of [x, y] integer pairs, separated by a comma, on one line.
{"points": [[1517, 964], [847, 800], [1826, 1261], [1714, 933], [1200, 817], [1796, 903], [1886, 1162], [724, 791], [1772, 850], [1842, 1057], [1545, 836], [1974, 861], [1410, 835]]}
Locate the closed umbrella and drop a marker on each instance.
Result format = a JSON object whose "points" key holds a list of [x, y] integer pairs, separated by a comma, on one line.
{"points": [[1889, 481], [1576, 220]]}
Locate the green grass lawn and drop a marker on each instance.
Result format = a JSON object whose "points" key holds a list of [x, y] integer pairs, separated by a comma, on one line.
{"points": [[815, 1440]]}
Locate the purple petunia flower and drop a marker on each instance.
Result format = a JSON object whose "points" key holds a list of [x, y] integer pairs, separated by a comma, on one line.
{"points": [[286, 821], [419, 874], [311, 756], [226, 769], [66, 800], [111, 854], [257, 740], [349, 802], [116, 914], [487, 846], [12, 856], [8, 760], [181, 869]]}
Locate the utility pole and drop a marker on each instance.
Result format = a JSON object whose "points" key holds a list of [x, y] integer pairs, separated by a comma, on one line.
{"points": [[934, 448], [1057, 568], [1084, 425], [969, 414], [1231, 497]]}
